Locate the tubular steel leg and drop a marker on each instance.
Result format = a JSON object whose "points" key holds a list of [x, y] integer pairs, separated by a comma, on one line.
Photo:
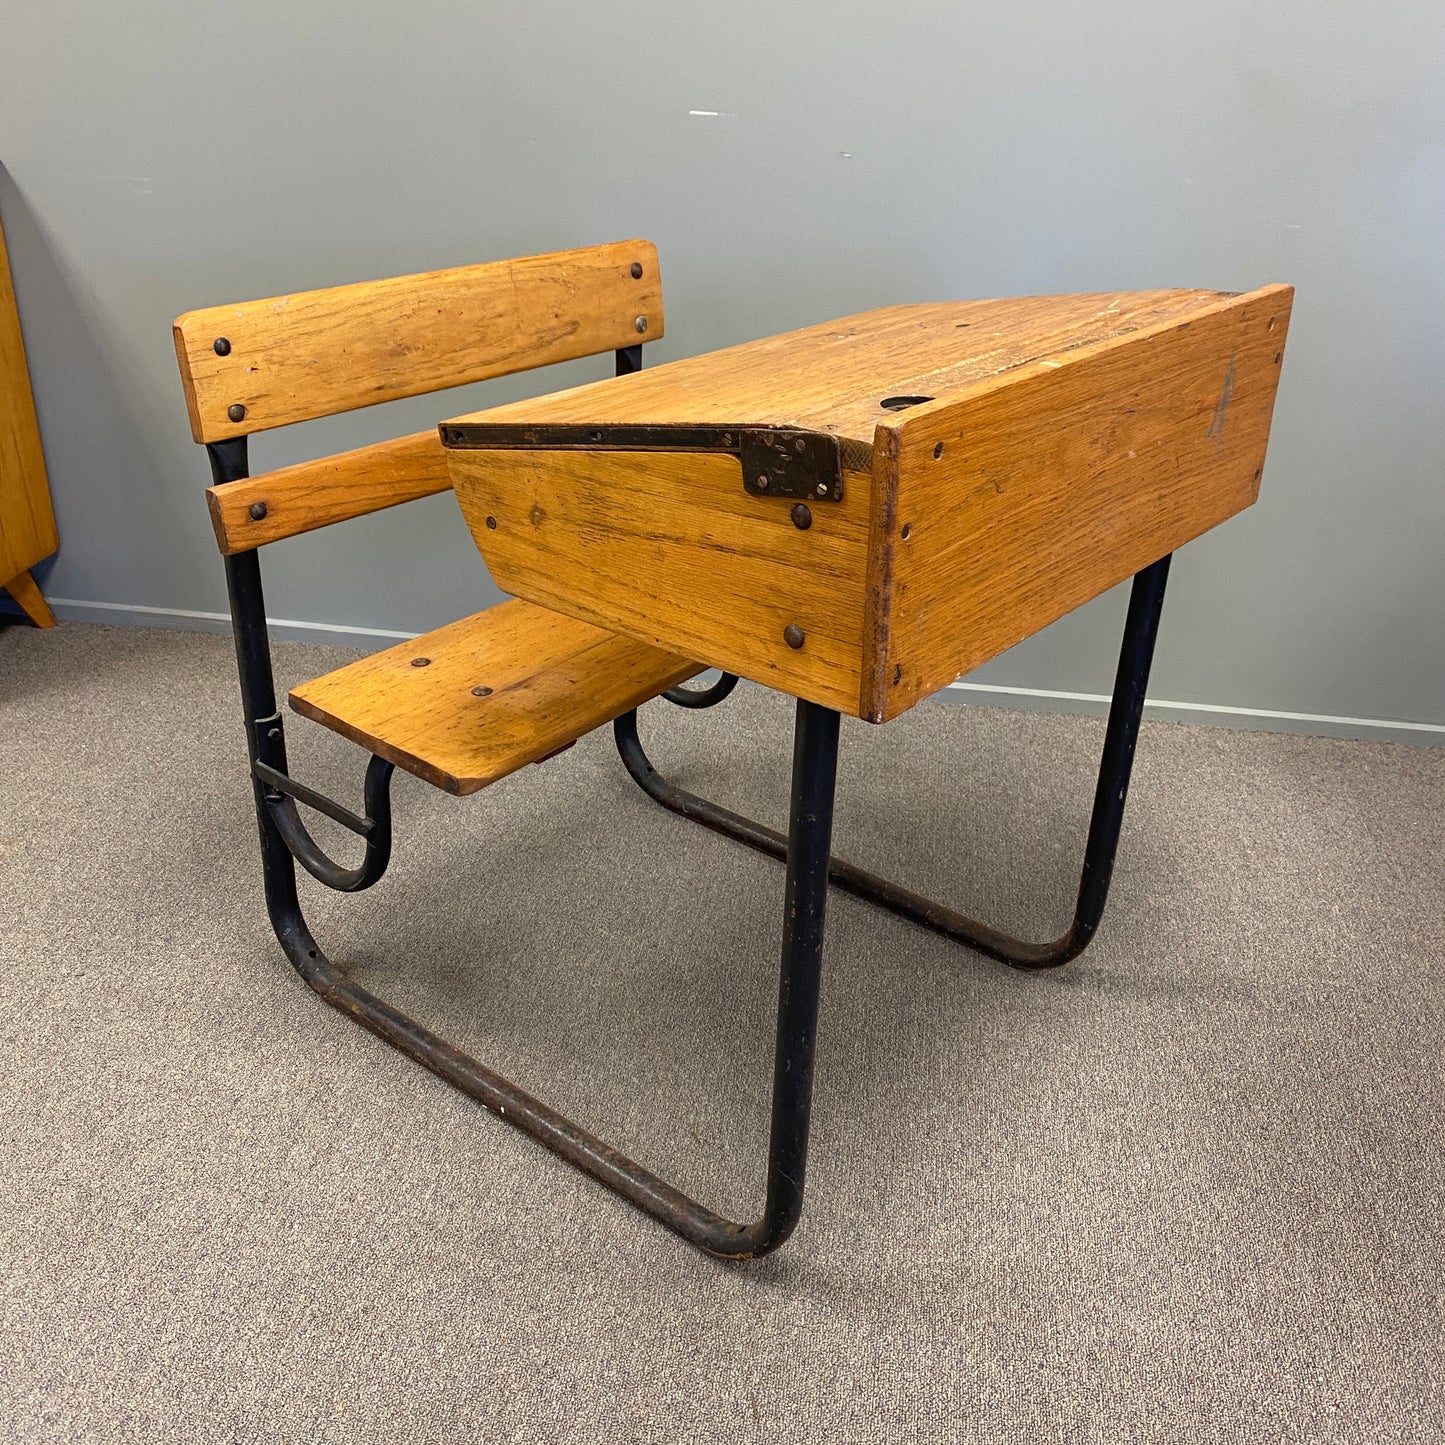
{"points": [[1140, 630], [815, 761], [814, 771]]}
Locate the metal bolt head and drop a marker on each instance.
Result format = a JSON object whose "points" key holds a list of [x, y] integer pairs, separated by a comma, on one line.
{"points": [[822, 489], [802, 517], [641, 323], [421, 662], [236, 411], [481, 692], [762, 484], [636, 269], [222, 346], [800, 445], [491, 524], [793, 635], [257, 511]]}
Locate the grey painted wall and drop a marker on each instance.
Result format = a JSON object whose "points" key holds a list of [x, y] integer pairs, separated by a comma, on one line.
{"points": [[160, 156]]}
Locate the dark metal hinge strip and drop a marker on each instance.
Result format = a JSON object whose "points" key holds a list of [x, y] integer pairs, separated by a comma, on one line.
{"points": [[776, 461]]}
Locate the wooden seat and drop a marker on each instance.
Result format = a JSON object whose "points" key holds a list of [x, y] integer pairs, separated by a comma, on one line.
{"points": [[473, 701]]}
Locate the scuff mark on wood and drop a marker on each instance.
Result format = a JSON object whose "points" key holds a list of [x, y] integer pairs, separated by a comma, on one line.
{"points": [[1216, 427]]}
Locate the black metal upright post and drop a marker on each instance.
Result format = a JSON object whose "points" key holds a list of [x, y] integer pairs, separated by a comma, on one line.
{"points": [[805, 899]]}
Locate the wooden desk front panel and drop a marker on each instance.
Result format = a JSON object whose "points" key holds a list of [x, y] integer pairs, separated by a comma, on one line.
{"points": [[668, 547]]}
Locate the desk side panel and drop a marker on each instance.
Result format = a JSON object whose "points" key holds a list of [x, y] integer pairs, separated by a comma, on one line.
{"points": [[668, 548], [1028, 496]]}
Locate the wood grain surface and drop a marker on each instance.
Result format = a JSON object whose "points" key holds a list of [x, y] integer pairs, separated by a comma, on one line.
{"points": [[315, 494], [834, 377], [29, 600], [291, 358], [1030, 494], [548, 680], [669, 548], [27, 521]]}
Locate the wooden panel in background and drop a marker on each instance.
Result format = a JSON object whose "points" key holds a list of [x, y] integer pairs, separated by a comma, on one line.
{"points": [[27, 521], [1034, 492], [292, 358], [315, 494]]}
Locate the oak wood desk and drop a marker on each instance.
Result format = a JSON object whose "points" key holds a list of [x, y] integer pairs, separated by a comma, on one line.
{"points": [[853, 514], [967, 473]]}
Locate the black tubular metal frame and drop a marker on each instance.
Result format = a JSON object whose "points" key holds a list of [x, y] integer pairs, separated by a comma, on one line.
{"points": [[806, 849]]}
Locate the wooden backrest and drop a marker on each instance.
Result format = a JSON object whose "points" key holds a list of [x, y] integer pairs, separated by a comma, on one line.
{"points": [[261, 364], [284, 359]]}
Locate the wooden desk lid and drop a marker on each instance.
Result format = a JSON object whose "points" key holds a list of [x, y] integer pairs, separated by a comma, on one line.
{"points": [[857, 513], [836, 377]]}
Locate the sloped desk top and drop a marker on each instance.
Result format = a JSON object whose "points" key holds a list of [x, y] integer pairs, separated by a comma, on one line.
{"points": [[859, 512]]}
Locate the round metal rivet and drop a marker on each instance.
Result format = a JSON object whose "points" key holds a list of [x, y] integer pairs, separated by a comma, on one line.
{"points": [[222, 346], [641, 323], [802, 517], [492, 524], [421, 662], [481, 692], [793, 635], [236, 412], [258, 510], [637, 270], [800, 445]]}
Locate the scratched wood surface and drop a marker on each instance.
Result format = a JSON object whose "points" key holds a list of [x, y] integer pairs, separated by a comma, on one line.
{"points": [[27, 521], [1030, 494], [544, 681], [315, 494], [292, 358]]}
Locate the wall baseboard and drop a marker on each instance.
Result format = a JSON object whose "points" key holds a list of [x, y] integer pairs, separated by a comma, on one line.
{"points": [[1255, 719], [283, 629], [1089, 704]]}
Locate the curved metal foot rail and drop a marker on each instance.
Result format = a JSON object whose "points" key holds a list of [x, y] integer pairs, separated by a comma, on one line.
{"points": [[1146, 599]]}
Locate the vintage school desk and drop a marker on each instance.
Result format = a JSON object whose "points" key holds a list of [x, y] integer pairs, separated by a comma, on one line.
{"points": [[853, 514]]}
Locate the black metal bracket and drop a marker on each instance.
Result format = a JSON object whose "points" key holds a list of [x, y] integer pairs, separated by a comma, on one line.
{"points": [[776, 461], [280, 793], [702, 696]]}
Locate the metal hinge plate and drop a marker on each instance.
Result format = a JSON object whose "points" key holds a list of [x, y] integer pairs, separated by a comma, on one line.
{"points": [[776, 461]]}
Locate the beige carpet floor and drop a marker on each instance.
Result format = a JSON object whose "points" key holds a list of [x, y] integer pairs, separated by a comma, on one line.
{"points": [[1188, 1189]]}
